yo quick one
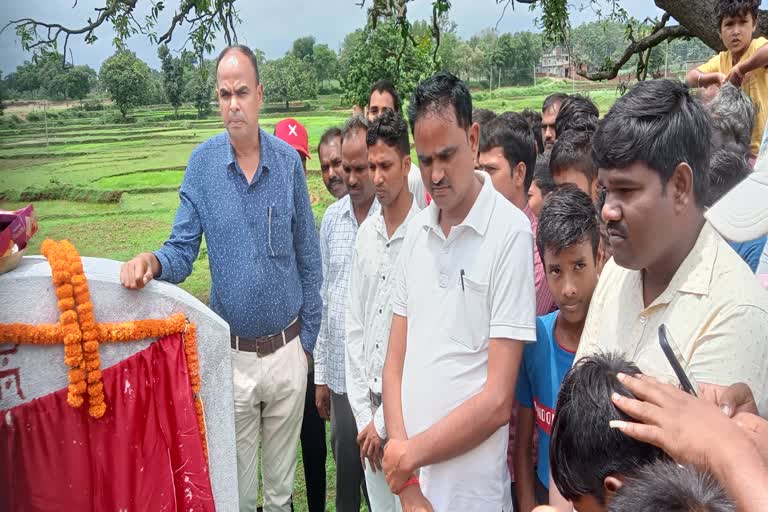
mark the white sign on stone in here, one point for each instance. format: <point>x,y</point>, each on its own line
<point>27,295</point>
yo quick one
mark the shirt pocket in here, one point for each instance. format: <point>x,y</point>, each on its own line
<point>279,233</point>
<point>472,315</point>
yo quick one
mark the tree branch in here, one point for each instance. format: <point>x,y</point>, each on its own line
<point>656,37</point>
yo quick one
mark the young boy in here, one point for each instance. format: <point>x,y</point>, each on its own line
<point>567,240</point>
<point>589,461</point>
<point>743,63</point>
<point>571,161</point>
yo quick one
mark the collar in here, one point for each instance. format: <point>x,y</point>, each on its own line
<point>348,209</point>
<point>381,226</point>
<point>479,215</point>
<point>264,146</point>
<point>695,273</point>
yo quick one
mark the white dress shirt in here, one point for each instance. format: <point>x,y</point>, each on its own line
<point>416,186</point>
<point>337,242</point>
<point>458,292</point>
<point>369,314</point>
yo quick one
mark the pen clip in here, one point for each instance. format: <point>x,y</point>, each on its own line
<point>461,275</point>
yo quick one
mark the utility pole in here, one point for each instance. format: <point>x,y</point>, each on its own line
<point>45,118</point>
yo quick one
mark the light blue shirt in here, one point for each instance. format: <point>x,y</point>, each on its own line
<point>263,249</point>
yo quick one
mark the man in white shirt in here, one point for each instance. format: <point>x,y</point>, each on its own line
<point>382,98</point>
<point>337,242</point>
<point>464,303</point>
<point>369,309</point>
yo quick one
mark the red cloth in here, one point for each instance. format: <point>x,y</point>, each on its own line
<point>145,453</point>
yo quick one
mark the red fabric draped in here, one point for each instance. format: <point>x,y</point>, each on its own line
<point>146,452</point>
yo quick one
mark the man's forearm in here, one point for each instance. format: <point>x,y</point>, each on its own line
<point>743,473</point>
<point>465,428</point>
<point>524,480</point>
<point>392,401</point>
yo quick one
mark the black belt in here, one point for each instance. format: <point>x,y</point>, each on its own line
<point>266,345</point>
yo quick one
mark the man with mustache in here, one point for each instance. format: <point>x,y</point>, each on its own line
<point>464,305</point>
<point>337,242</point>
<point>669,264</point>
<point>369,310</point>
<point>329,153</point>
<point>245,191</point>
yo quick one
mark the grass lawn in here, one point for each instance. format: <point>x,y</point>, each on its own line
<point>112,189</point>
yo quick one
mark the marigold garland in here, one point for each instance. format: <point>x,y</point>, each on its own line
<point>82,335</point>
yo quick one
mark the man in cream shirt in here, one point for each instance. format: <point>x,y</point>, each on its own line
<point>670,266</point>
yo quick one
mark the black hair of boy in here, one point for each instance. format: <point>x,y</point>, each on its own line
<point>438,92</point>
<point>534,119</point>
<point>391,129</point>
<point>567,218</point>
<point>727,168</point>
<point>661,124</point>
<point>482,116</point>
<point>542,175</point>
<point>328,136</point>
<point>584,449</point>
<point>665,486</point>
<point>388,87</point>
<point>576,112</point>
<point>573,149</point>
<point>512,133</point>
<point>733,8</point>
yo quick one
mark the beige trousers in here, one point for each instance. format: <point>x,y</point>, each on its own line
<point>269,402</point>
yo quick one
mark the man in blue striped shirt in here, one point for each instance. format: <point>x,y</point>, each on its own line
<point>245,191</point>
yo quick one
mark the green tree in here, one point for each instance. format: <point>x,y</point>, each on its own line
<point>289,79</point>
<point>325,62</point>
<point>202,91</point>
<point>382,53</point>
<point>74,83</point>
<point>3,94</point>
<point>127,79</point>
<point>303,48</point>
<point>599,43</point>
<point>173,78</point>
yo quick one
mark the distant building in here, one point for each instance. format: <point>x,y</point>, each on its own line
<point>555,63</point>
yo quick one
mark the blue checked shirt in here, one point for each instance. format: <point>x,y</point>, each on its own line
<point>337,244</point>
<point>263,247</point>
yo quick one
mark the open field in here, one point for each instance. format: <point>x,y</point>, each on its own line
<point>111,188</point>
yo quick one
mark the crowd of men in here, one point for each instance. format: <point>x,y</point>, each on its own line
<point>483,331</point>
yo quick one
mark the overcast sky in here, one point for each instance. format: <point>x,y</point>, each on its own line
<point>269,25</point>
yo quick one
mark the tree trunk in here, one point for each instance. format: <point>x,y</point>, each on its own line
<point>698,17</point>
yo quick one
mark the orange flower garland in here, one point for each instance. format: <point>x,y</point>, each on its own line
<point>82,335</point>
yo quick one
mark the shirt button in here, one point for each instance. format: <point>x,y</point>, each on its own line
<point>380,310</point>
<point>383,278</point>
<point>643,319</point>
<point>443,280</point>
<point>377,345</point>
<point>375,379</point>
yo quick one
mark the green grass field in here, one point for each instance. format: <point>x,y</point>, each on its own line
<point>111,188</point>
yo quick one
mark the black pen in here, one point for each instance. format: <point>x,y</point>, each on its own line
<point>461,275</point>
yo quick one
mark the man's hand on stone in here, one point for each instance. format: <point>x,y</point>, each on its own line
<point>136,273</point>
<point>370,447</point>
<point>323,401</point>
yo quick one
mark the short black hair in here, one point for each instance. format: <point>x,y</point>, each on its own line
<point>551,100</point>
<point>542,176</point>
<point>665,486</point>
<point>482,116</point>
<point>245,51</point>
<point>732,8</point>
<point>568,217</point>
<point>391,129</point>
<point>534,119</point>
<point>727,168</point>
<point>328,136</point>
<point>437,93</point>
<point>659,123</point>
<point>388,87</point>
<point>512,133</point>
<point>584,449</point>
<point>576,112</point>
<point>574,149</point>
